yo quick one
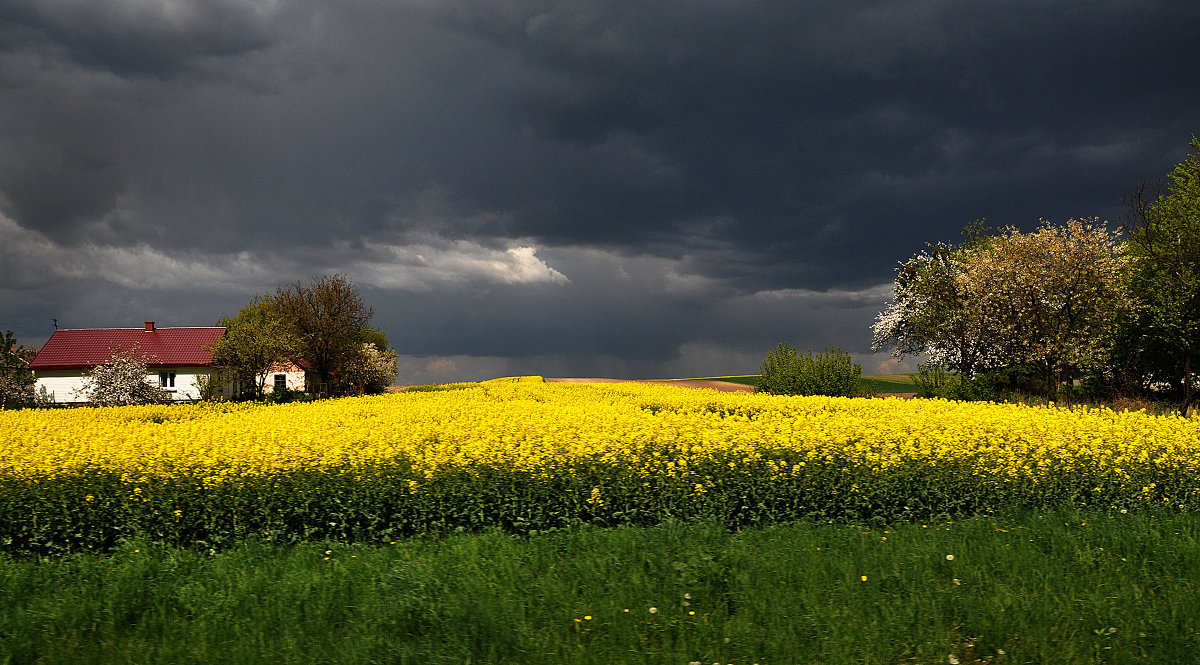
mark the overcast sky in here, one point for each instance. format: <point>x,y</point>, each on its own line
<point>622,189</point>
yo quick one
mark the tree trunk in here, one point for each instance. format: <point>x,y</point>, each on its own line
<point>1187,386</point>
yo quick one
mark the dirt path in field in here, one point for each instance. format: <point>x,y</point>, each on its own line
<point>724,386</point>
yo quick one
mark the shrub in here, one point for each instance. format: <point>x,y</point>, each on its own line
<point>831,372</point>
<point>286,396</point>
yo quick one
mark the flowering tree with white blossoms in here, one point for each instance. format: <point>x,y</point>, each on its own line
<point>934,310</point>
<point>1054,293</point>
<point>121,381</point>
<point>371,371</point>
<point>1045,299</point>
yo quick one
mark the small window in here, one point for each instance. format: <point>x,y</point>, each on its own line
<point>166,379</point>
<point>280,382</point>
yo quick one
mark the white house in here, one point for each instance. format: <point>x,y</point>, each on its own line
<point>174,357</point>
<point>286,374</point>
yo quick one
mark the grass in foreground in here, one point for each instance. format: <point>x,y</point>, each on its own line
<point>1059,587</point>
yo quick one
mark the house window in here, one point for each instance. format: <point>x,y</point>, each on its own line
<point>280,382</point>
<point>166,379</point>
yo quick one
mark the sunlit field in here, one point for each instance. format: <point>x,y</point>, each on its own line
<point>526,456</point>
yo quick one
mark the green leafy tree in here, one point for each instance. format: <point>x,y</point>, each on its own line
<point>831,372</point>
<point>121,381</point>
<point>16,381</point>
<point>375,338</point>
<point>326,319</point>
<point>255,341</point>
<point>1164,285</point>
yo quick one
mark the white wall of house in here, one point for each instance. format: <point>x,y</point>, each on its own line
<point>59,385</point>
<point>185,379</point>
<point>56,385</point>
<point>293,378</point>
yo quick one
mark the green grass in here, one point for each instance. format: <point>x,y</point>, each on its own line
<point>1061,587</point>
<point>891,383</point>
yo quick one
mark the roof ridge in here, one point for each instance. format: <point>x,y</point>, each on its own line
<point>134,328</point>
<point>70,348</point>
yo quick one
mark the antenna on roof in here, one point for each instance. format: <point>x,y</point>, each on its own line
<point>55,323</point>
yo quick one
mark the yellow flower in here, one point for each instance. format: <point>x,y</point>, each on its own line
<point>684,440</point>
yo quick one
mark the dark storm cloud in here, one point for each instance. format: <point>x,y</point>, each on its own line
<point>132,39</point>
<point>812,124</point>
<point>651,185</point>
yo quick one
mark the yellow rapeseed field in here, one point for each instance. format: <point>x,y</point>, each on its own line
<point>656,429</point>
<point>614,447</point>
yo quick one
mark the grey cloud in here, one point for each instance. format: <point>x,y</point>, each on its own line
<point>667,165</point>
<point>140,37</point>
<point>639,308</point>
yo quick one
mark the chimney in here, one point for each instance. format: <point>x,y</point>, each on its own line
<point>149,326</point>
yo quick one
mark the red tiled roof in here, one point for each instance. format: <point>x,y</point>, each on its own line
<point>160,347</point>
